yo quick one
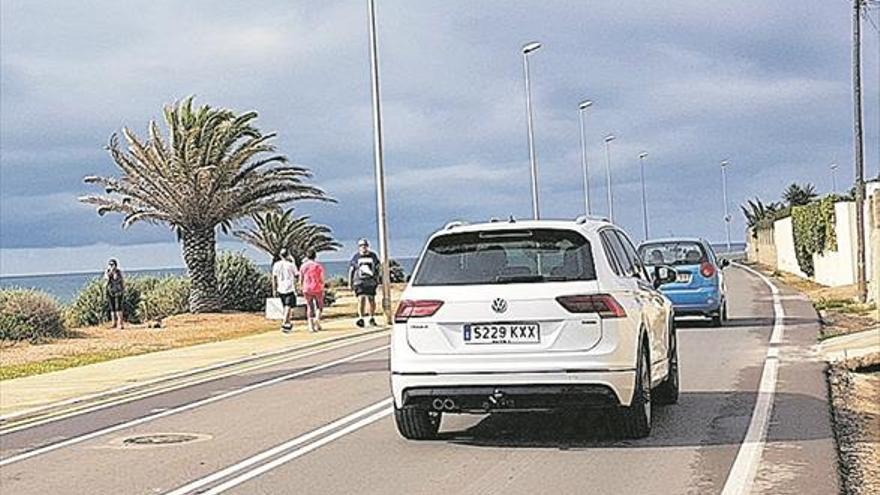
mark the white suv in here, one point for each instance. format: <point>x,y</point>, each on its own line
<point>532,315</point>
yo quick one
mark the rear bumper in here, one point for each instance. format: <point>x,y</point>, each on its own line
<point>696,301</point>
<point>481,392</point>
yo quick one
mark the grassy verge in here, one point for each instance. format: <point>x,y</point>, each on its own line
<point>92,345</point>
<point>60,363</point>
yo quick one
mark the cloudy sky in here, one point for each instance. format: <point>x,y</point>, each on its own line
<point>763,84</point>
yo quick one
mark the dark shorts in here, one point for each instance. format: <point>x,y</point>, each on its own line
<point>115,302</point>
<point>288,300</point>
<point>365,290</point>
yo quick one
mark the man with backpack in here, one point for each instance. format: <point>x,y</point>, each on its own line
<point>363,279</point>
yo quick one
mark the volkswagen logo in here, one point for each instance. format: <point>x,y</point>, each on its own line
<point>499,305</point>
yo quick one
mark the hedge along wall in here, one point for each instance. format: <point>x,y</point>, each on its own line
<point>813,229</point>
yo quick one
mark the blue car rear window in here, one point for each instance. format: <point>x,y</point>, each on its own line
<point>672,253</point>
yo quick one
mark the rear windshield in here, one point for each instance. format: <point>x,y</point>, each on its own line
<point>508,256</point>
<point>672,253</point>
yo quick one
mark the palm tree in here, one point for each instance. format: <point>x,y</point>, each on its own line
<point>215,169</point>
<point>799,195</point>
<point>274,231</point>
<point>757,210</point>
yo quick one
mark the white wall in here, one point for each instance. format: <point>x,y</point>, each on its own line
<point>838,267</point>
<point>783,237</point>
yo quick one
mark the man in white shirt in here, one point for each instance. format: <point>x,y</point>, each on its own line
<point>284,275</point>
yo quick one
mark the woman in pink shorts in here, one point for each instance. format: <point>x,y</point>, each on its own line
<point>311,275</point>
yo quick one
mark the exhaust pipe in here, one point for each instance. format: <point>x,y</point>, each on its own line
<point>437,403</point>
<point>449,404</point>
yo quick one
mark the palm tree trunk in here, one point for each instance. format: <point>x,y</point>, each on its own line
<point>199,253</point>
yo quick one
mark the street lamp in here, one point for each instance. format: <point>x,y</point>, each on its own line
<point>526,49</point>
<point>724,164</point>
<point>608,140</point>
<point>582,108</point>
<point>834,178</point>
<point>380,168</point>
<point>642,157</point>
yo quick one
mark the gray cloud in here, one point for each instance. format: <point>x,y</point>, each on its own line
<point>764,84</point>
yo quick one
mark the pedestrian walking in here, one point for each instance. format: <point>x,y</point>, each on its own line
<point>115,289</point>
<point>311,276</point>
<point>363,279</point>
<point>284,275</point>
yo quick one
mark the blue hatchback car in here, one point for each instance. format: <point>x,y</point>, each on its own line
<point>699,287</point>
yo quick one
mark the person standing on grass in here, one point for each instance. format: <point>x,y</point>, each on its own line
<point>284,276</point>
<point>363,278</point>
<point>311,279</point>
<point>115,293</point>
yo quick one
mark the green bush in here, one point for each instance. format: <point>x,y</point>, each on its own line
<point>27,314</point>
<point>395,272</point>
<point>243,286</point>
<point>329,297</point>
<point>168,296</point>
<point>92,306</point>
<point>813,229</point>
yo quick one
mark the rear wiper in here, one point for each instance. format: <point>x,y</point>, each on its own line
<point>519,278</point>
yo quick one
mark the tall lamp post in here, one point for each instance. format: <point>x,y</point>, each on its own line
<point>833,178</point>
<point>582,109</point>
<point>526,49</point>
<point>608,140</point>
<point>642,157</point>
<point>724,164</point>
<point>380,168</point>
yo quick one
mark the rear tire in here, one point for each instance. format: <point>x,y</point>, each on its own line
<point>635,421</point>
<point>667,392</point>
<point>416,423</point>
<point>719,319</point>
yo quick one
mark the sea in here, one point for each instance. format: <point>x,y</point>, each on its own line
<point>65,286</point>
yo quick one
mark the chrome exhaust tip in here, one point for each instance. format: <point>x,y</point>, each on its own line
<point>449,404</point>
<point>437,403</point>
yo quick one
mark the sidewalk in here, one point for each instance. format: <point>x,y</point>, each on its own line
<point>39,390</point>
<point>854,345</point>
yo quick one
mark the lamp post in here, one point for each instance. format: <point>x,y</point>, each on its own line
<point>380,168</point>
<point>608,140</point>
<point>834,178</point>
<point>582,109</point>
<point>642,157</point>
<point>724,164</point>
<point>526,49</point>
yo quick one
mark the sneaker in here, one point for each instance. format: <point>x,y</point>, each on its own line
<point>373,322</point>
<point>286,328</point>
<point>360,322</point>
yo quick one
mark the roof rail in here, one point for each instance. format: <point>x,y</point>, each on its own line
<point>583,219</point>
<point>454,224</point>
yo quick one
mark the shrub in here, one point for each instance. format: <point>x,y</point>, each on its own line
<point>396,272</point>
<point>329,297</point>
<point>92,307</point>
<point>813,229</point>
<point>243,286</point>
<point>168,296</point>
<point>27,314</point>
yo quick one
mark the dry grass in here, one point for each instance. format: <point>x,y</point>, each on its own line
<point>841,313</point>
<point>99,343</point>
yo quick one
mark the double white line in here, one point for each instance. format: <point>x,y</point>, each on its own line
<point>339,428</point>
<point>186,407</point>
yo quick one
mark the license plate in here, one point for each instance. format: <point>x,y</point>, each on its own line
<point>502,333</point>
<point>683,278</point>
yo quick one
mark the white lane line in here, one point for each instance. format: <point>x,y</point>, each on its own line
<point>186,407</point>
<point>298,453</point>
<point>748,458</point>
<point>250,461</point>
<point>275,357</point>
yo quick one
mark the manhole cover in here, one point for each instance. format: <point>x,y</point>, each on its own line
<point>161,439</point>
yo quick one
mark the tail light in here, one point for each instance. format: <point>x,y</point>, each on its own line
<point>415,309</point>
<point>603,304</point>
<point>706,269</point>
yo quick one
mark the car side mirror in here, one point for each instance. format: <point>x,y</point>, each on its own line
<point>725,263</point>
<point>664,274</point>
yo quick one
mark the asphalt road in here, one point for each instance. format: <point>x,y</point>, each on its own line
<point>322,424</point>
